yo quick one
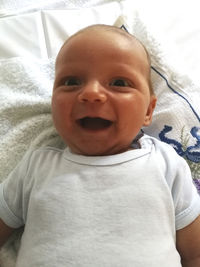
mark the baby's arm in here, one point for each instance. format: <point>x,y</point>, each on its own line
<point>5,232</point>
<point>188,244</point>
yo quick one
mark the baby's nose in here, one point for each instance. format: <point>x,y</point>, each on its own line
<point>93,93</point>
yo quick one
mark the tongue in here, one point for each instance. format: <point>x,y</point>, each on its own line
<point>95,123</point>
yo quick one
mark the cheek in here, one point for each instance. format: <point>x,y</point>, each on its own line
<point>130,106</point>
<point>132,113</point>
<point>60,110</point>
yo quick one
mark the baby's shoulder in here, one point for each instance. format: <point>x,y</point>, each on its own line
<point>47,150</point>
<point>160,147</point>
<point>165,155</point>
<point>42,156</point>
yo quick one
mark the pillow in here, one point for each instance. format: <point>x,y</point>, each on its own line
<point>176,119</point>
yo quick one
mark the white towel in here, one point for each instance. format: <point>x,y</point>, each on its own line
<point>25,95</point>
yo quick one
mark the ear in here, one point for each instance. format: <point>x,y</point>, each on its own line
<point>150,110</point>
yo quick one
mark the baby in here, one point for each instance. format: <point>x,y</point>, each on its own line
<point>114,197</point>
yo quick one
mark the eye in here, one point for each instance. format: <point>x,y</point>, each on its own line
<point>120,82</point>
<point>72,81</point>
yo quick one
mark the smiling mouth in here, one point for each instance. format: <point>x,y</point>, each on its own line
<point>94,124</point>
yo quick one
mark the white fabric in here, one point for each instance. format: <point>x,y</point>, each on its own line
<point>21,6</point>
<point>26,82</point>
<point>100,211</point>
<point>42,33</point>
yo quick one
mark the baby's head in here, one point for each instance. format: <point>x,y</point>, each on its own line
<point>102,94</point>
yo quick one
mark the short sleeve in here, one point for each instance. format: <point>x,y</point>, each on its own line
<point>13,195</point>
<point>185,195</point>
<point>178,176</point>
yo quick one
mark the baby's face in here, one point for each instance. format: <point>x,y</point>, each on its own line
<point>101,95</point>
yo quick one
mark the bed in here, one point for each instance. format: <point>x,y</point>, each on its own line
<point>32,33</point>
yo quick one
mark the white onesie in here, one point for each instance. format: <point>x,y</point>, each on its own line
<point>105,211</point>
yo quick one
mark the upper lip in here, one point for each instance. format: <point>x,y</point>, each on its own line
<point>94,116</point>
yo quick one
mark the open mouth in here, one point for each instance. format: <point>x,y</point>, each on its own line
<point>94,123</point>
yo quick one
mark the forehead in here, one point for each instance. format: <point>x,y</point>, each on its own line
<point>102,41</point>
